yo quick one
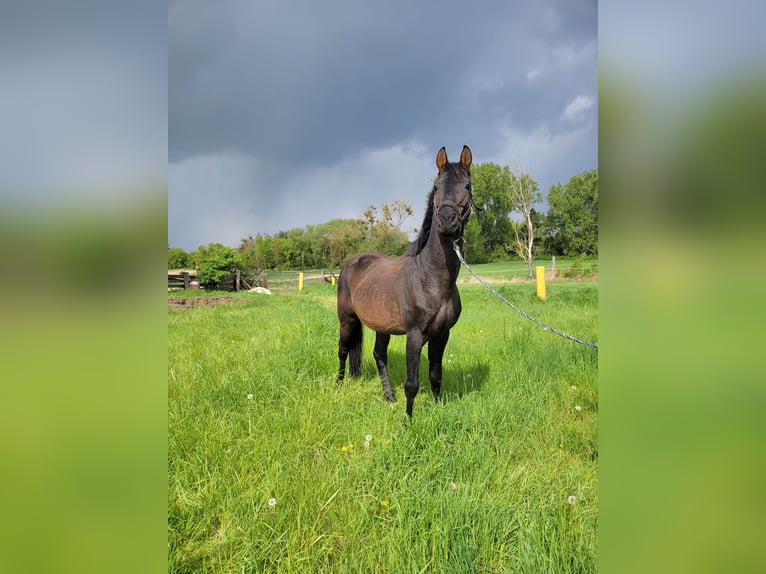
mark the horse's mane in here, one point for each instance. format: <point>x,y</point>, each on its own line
<point>425,229</point>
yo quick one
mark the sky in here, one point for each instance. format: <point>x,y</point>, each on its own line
<point>287,114</point>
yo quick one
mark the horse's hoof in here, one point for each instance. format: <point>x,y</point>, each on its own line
<point>389,397</point>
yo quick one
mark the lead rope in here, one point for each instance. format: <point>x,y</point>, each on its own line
<point>515,308</point>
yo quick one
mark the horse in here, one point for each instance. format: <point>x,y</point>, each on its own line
<point>415,294</point>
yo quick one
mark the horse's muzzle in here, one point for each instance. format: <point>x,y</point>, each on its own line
<point>450,218</point>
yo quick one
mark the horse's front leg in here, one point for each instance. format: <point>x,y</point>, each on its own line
<point>411,385</point>
<point>436,348</point>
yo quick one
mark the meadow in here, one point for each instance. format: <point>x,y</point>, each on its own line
<point>274,468</point>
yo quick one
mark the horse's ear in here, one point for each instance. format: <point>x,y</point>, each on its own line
<point>466,158</point>
<point>441,159</point>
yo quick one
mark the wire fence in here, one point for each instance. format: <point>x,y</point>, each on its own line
<point>288,281</point>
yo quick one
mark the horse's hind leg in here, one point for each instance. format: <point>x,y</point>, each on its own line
<point>381,359</point>
<point>436,348</point>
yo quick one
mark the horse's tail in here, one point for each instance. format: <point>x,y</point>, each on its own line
<point>355,351</point>
<point>351,326</point>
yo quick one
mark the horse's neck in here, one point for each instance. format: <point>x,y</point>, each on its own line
<point>439,259</point>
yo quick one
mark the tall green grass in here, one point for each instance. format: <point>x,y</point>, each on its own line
<point>477,483</point>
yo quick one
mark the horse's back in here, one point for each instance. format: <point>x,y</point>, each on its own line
<point>362,261</point>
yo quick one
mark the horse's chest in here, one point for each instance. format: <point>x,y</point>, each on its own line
<point>443,317</point>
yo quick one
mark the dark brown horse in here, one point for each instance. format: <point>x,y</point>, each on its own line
<point>413,295</point>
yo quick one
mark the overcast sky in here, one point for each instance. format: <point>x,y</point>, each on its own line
<point>283,114</point>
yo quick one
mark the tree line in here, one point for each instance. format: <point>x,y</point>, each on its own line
<point>504,226</point>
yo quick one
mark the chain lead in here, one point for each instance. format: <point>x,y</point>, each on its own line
<point>515,308</point>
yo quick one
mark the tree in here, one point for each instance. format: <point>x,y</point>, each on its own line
<point>383,230</point>
<point>327,244</point>
<point>572,220</point>
<point>177,258</point>
<point>523,195</point>
<point>300,248</point>
<point>489,230</point>
<point>337,239</point>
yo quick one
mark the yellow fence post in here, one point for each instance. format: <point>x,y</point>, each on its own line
<point>300,281</point>
<point>332,279</point>
<point>540,274</point>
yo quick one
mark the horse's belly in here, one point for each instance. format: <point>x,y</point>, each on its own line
<point>382,318</point>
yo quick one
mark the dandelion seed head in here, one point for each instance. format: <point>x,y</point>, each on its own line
<point>366,444</point>
<point>452,485</point>
<point>573,388</point>
<point>572,500</point>
<point>578,408</point>
<point>272,502</point>
<point>250,396</point>
<point>368,437</point>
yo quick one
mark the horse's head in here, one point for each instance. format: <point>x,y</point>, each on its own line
<point>452,195</point>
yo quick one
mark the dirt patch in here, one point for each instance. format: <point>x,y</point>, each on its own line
<point>189,302</point>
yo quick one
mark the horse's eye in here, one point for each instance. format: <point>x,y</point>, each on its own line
<point>468,187</point>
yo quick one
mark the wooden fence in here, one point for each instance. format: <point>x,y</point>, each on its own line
<point>182,279</point>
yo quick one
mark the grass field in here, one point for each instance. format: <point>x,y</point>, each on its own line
<point>273,468</point>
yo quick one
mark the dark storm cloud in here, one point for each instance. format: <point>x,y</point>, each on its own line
<point>318,80</point>
<point>299,86</point>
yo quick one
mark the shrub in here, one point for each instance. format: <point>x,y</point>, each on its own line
<point>216,263</point>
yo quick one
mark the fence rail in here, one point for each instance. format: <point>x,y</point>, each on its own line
<point>182,279</point>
